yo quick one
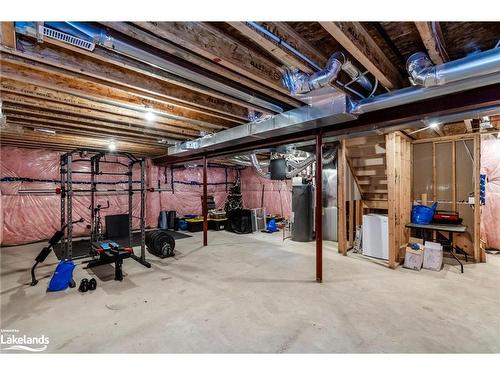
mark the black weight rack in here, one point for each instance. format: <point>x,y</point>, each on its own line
<point>95,159</point>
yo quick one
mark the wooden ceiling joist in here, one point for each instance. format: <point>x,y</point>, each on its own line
<point>39,92</point>
<point>222,49</point>
<point>69,142</point>
<point>270,46</point>
<point>358,42</point>
<point>8,34</point>
<point>437,55</point>
<point>285,32</point>
<point>28,122</point>
<point>189,57</point>
<point>37,115</point>
<point>106,94</point>
<point>116,72</point>
<point>89,113</point>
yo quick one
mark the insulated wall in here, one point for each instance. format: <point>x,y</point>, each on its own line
<point>28,218</point>
<point>490,213</point>
<point>274,195</point>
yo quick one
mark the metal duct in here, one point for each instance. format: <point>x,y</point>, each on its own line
<point>298,82</point>
<point>258,168</point>
<point>101,37</point>
<point>333,111</point>
<point>424,73</point>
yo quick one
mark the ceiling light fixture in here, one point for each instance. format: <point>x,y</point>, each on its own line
<point>112,146</point>
<point>149,116</point>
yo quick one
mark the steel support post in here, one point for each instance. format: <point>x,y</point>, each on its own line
<point>319,208</point>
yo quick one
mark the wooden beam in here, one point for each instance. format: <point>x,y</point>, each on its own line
<point>37,116</point>
<point>378,205</point>
<point>270,46</point>
<point>125,118</point>
<point>39,140</point>
<point>341,198</point>
<point>69,84</point>
<point>468,125</point>
<point>66,128</point>
<point>211,43</point>
<point>443,139</point>
<point>431,43</point>
<point>8,34</point>
<point>288,34</point>
<point>356,40</point>
<point>129,73</point>
<point>192,58</point>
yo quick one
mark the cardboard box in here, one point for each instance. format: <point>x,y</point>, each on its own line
<point>414,258</point>
<point>433,256</point>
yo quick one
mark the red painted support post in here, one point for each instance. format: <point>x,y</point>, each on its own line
<point>319,208</point>
<point>205,204</point>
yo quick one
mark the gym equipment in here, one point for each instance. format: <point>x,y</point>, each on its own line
<point>110,252</point>
<point>96,233</point>
<point>106,251</point>
<point>92,284</point>
<point>160,244</point>
<point>47,249</point>
<point>62,277</point>
<point>84,285</point>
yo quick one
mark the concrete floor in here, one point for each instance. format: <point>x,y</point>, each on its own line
<point>252,293</point>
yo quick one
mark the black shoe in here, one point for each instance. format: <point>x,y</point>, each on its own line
<point>92,284</point>
<point>84,286</point>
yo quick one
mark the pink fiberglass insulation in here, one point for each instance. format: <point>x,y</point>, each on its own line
<point>186,197</point>
<point>35,217</point>
<point>28,218</point>
<point>275,196</point>
<point>490,213</point>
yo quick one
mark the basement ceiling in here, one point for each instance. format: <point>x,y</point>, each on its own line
<point>59,96</point>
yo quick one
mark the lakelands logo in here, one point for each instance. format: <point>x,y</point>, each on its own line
<point>12,340</point>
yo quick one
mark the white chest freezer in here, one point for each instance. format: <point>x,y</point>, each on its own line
<point>375,240</point>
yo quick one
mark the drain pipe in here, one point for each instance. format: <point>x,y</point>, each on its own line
<point>100,37</point>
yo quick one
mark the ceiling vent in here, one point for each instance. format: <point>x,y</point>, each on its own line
<point>66,38</point>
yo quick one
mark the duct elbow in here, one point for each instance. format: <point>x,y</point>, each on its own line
<point>422,71</point>
<point>298,82</point>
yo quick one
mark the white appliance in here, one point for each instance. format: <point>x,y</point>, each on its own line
<point>375,240</point>
<point>258,219</point>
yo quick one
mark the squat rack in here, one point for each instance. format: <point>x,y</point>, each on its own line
<point>95,158</point>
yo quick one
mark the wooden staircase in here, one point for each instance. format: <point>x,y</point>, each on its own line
<point>366,157</point>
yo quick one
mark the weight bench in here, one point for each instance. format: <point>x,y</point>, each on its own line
<point>110,252</point>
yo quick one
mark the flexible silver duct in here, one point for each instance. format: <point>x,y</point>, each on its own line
<point>424,73</point>
<point>298,167</point>
<point>258,168</point>
<point>298,82</point>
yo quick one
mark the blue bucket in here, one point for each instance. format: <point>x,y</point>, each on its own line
<point>421,214</point>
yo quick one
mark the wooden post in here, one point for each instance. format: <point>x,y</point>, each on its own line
<point>390,145</point>
<point>319,207</point>
<point>478,256</point>
<point>341,186</point>
<point>205,204</point>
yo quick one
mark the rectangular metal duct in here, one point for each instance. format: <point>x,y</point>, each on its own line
<point>328,112</point>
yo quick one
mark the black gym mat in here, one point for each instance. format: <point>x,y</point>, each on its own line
<point>81,247</point>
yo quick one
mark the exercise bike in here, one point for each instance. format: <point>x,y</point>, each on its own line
<point>96,232</point>
<point>47,249</point>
